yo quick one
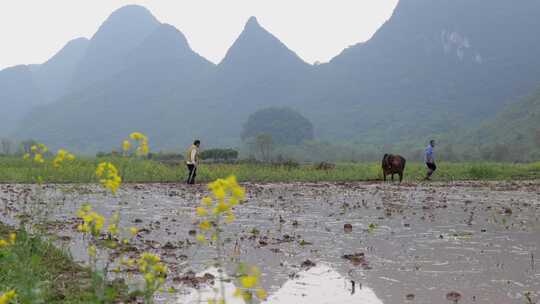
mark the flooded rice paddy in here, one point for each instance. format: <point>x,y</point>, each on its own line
<point>317,243</point>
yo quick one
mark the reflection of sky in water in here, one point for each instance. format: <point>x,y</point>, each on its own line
<point>318,285</point>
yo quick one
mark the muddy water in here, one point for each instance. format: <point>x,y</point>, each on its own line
<point>479,239</point>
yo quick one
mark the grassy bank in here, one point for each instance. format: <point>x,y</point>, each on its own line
<point>41,273</point>
<point>15,170</point>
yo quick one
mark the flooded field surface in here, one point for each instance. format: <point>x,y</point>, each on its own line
<point>475,242</point>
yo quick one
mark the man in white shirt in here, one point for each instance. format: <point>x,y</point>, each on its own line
<point>192,161</point>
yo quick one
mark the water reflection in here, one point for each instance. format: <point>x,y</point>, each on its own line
<point>211,292</point>
<point>320,284</point>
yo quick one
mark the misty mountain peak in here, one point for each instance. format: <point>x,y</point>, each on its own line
<point>126,20</point>
<point>117,37</point>
<point>131,12</point>
<point>257,47</point>
<point>252,23</point>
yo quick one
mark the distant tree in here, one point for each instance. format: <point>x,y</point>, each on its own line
<point>220,154</point>
<point>486,153</point>
<point>6,146</point>
<point>448,153</point>
<point>284,125</point>
<point>264,145</point>
<point>500,152</point>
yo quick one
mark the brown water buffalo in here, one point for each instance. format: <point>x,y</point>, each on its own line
<point>393,164</point>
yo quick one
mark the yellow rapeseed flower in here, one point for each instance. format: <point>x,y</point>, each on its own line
<point>36,153</point>
<point>8,296</point>
<point>92,221</point>
<point>226,193</point>
<point>108,176</point>
<point>153,270</point>
<point>248,281</point>
<point>61,156</point>
<point>99,220</point>
<point>142,140</point>
<point>113,229</point>
<point>207,201</point>
<point>222,207</point>
<point>83,228</point>
<point>247,296</point>
<point>38,158</point>
<point>205,225</point>
<point>230,217</point>
<point>201,211</point>
<point>143,149</point>
<point>136,136</point>
<point>160,268</point>
<point>219,193</point>
<point>149,277</point>
<point>234,201</point>
<point>43,148</point>
<point>261,294</point>
<point>149,257</point>
<point>126,145</point>
<point>92,251</point>
<point>12,238</point>
<point>128,262</point>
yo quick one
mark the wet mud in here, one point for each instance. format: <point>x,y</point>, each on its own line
<point>388,243</point>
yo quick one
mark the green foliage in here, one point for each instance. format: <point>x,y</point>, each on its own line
<point>264,144</point>
<point>41,273</point>
<point>136,170</point>
<point>284,125</point>
<point>482,171</point>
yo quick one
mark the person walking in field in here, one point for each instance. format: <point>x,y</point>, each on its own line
<point>429,158</point>
<point>192,161</point>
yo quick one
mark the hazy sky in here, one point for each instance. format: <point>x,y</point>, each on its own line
<point>31,31</point>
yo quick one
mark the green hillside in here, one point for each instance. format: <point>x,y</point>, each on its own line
<point>513,135</point>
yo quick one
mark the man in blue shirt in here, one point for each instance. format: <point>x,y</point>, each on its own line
<point>429,158</point>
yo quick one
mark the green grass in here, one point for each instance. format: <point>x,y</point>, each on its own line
<point>14,170</point>
<point>42,273</point>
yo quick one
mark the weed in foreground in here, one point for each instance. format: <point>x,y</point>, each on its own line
<point>215,212</point>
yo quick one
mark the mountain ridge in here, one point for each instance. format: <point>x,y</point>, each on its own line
<point>430,69</point>
<point>123,31</point>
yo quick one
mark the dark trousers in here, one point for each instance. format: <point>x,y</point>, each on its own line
<point>192,169</point>
<point>431,168</point>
